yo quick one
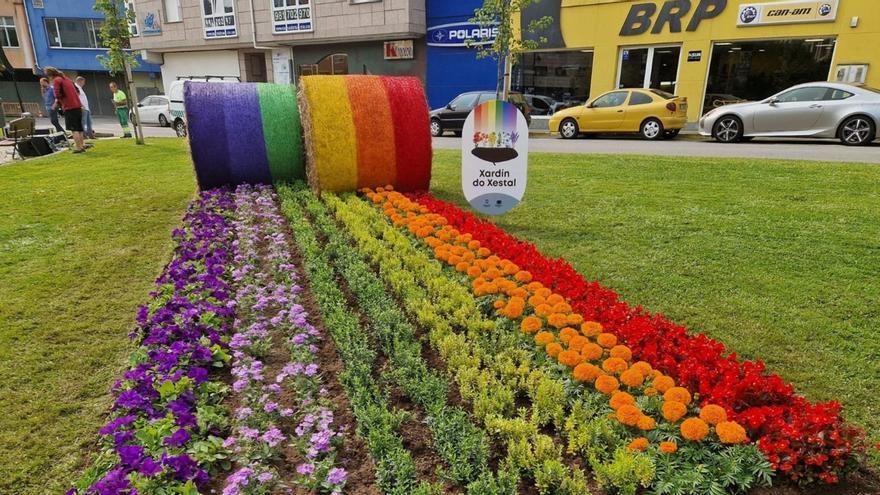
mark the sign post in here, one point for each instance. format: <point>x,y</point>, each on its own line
<point>494,161</point>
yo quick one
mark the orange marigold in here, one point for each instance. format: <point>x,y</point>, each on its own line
<point>530,324</point>
<point>553,349</point>
<point>668,447</point>
<point>586,372</point>
<point>556,320</point>
<point>544,338</point>
<point>663,383</point>
<point>462,266</point>
<point>544,292</point>
<point>677,394</point>
<point>562,307</point>
<point>578,342</point>
<point>567,333</point>
<point>575,319</point>
<point>536,301</point>
<point>569,358</point>
<point>473,244</point>
<point>534,286</point>
<point>628,414</point>
<point>499,303</point>
<point>650,391</point>
<point>483,252</point>
<point>713,414</point>
<point>606,384</point>
<point>694,429</point>
<point>622,352</point>
<point>640,444</point>
<point>620,399</point>
<point>614,365</point>
<point>555,299</point>
<point>731,432</point>
<point>474,271</point>
<point>673,411</point>
<point>543,310</point>
<point>591,351</point>
<point>518,292</point>
<point>632,378</point>
<point>591,328</point>
<point>643,367</point>
<point>607,340</point>
<point>492,274</point>
<point>646,423</point>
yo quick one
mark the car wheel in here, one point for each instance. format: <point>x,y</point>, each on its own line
<point>672,133</point>
<point>180,128</point>
<point>163,122</point>
<point>857,131</point>
<point>652,129</point>
<point>728,129</point>
<point>568,129</point>
<point>436,128</point>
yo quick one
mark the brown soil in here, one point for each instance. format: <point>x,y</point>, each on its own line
<point>859,483</point>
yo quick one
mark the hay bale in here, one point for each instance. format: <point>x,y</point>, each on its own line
<point>330,135</point>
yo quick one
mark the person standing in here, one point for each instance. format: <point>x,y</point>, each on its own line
<point>120,101</point>
<point>49,102</point>
<point>87,111</point>
<point>67,97</point>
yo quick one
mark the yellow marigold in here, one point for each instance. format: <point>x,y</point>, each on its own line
<point>556,320</point>
<point>632,378</point>
<point>606,384</point>
<point>650,391</point>
<point>619,398</point>
<point>530,324</point>
<point>544,338</point>
<point>555,299</point>
<point>591,351</point>
<point>713,414</point>
<point>677,394</point>
<point>663,383</point>
<point>569,358</point>
<point>628,414</point>
<point>646,423</point>
<point>622,352</point>
<point>499,303</point>
<point>536,301</point>
<point>643,367</point>
<point>614,365</point>
<point>578,342</point>
<point>694,429</point>
<point>668,447</point>
<point>553,349</point>
<point>543,310</point>
<point>673,411</point>
<point>574,319</point>
<point>731,432</point>
<point>591,328</point>
<point>566,334</point>
<point>640,444</point>
<point>607,340</point>
<point>586,372</point>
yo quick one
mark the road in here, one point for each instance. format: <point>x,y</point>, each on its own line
<point>694,145</point>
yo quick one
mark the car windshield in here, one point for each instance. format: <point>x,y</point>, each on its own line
<point>663,94</point>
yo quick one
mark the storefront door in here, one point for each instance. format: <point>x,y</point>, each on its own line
<point>649,67</point>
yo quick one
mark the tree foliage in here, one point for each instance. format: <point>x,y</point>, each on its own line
<point>115,35</point>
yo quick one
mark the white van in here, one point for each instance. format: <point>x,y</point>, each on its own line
<point>175,97</point>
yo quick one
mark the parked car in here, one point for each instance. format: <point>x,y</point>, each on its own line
<point>541,105</point>
<point>175,97</point>
<point>452,116</point>
<point>815,110</point>
<point>653,113</point>
<point>155,110</point>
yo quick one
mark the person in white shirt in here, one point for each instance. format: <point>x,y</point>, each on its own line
<point>86,111</point>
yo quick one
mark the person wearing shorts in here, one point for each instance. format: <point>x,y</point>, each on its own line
<point>67,98</point>
<point>120,101</point>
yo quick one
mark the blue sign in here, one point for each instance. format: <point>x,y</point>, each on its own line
<point>151,24</point>
<point>461,34</point>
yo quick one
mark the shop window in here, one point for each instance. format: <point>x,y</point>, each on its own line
<point>292,16</point>
<point>753,71</point>
<point>8,36</point>
<point>218,18</point>
<point>74,33</point>
<point>652,67</point>
<point>562,78</point>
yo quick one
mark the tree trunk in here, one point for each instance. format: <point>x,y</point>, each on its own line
<point>132,100</point>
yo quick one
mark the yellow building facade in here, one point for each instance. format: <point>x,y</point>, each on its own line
<point>711,51</point>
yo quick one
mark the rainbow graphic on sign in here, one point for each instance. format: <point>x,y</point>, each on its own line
<point>495,133</point>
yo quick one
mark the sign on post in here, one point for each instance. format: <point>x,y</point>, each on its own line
<point>494,161</point>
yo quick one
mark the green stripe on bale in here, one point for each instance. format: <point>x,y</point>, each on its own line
<point>282,131</point>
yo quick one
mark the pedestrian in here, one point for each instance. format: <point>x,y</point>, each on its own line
<point>49,102</point>
<point>67,98</point>
<point>87,111</point>
<point>120,101</point>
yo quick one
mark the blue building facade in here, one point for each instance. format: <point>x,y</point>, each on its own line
<point>454,68</point>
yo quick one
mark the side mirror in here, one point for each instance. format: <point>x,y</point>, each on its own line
<point>773,101</point>
<point>449,106</point>
<point>140,104</point>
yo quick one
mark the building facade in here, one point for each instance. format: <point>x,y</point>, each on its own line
<point>711,51</point>
<point>278,40</point>
<point>16,43</point>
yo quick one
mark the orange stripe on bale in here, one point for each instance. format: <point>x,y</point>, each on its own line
<point>371,111</point>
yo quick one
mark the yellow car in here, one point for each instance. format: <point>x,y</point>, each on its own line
<point>653,113</point>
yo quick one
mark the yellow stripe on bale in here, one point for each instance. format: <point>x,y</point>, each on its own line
<point>328,126</point>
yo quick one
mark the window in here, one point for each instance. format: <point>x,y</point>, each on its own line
<point>219,18</point>
<point>292,16</point>
<point>132,21</point>
<point>640,99</point>
<point>838,94</point>
<point>172,11</point>
<point>74,33</point>
<point>464,102</point>
<point>614,99</point>
<point>803,94</point>
<point>484,97</point>
<point>8,36</point>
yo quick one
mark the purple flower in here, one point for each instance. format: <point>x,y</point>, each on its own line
<point>311,370</point>
<point>178,438</point>
<point>305,469</point>
<point>130,455</point>
<point>150,467</point>
<point>265,477</point>
<point>336,476</point>
<point>273,437</point>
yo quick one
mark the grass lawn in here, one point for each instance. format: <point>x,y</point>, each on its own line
<point>780,260</point>
<point>82,237</point>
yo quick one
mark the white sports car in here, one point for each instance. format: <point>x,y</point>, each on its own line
<point>814,110</point>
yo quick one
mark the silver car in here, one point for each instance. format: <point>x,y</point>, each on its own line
<point>817,110</point>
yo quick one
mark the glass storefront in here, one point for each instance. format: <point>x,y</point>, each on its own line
<point>754,70</point>
<point>651,67</point>
<point>563,76</point>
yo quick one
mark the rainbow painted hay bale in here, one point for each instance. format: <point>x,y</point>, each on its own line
<point>243,133</point>
<point>365,131</point>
